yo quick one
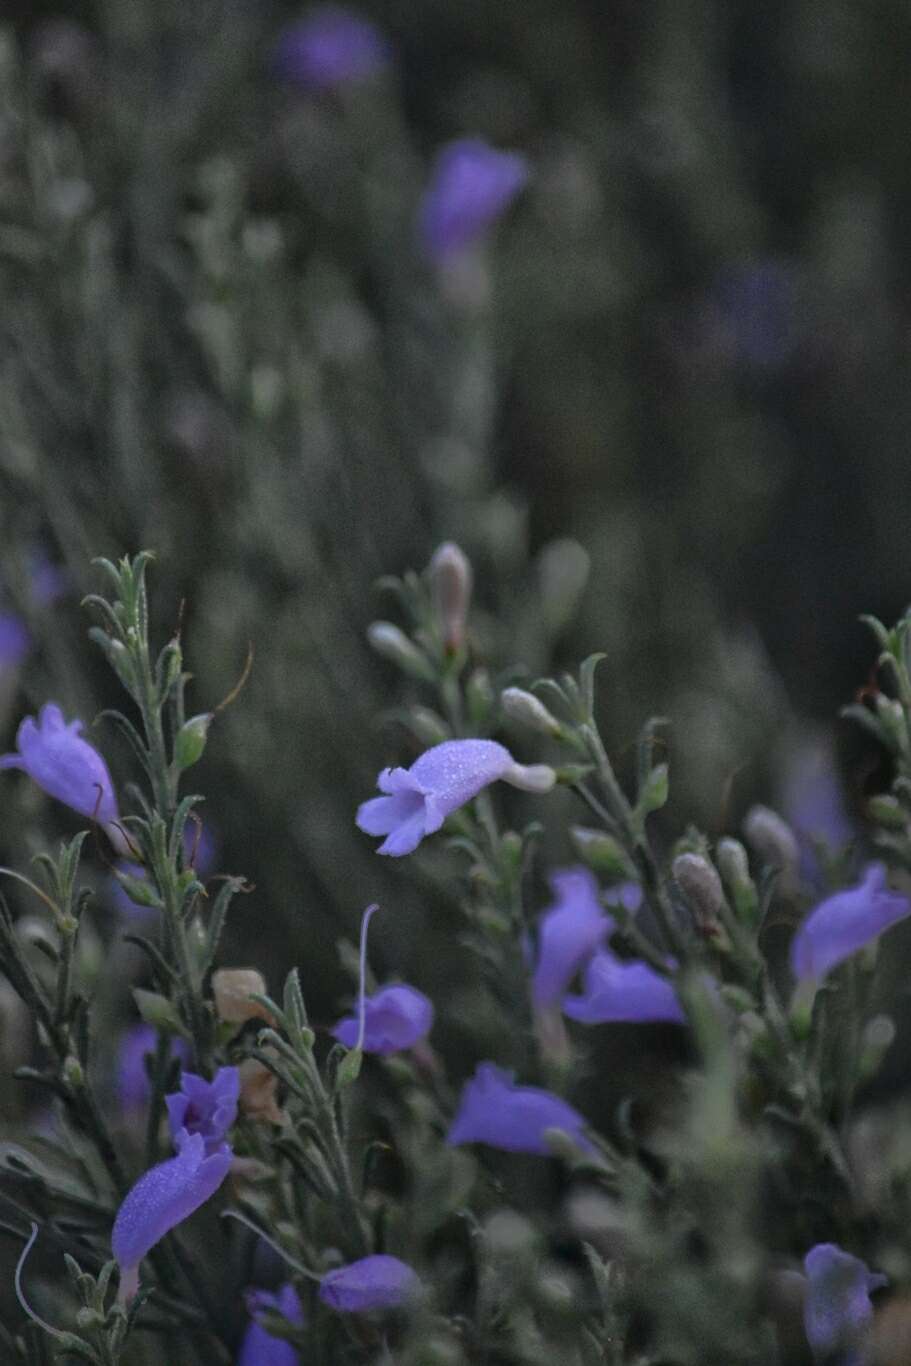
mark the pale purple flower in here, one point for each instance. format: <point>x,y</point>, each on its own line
<point>625,894</point>
<point>756,302</point>
<point>471,186</point>
<point>15,641</point>
<point>54,755</point>
<point>568,934</point>
<point>259,1347</point>
<point>418,799</point>
<point>161,1199</point>
<point>375,1282</point>
<point>618,992</point>
<point>846,922</point>
<point>395,1018</point>
<point>207,1108</point>
<point>332,47</point>
<point>133,1086</point>
<point>48,581</point>
<point>495,1111</point>
<point>813,803</point>
<point>837,1307</point>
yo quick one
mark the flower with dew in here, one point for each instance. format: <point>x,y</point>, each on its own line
<point>133,1086</point>
<point>618,992</point>
<point>472,184</point>
<point>161,1199</point>
<point>395,1018</point>
<point>846,922</point>
<point>259,1347</point>
<point>206,1108</point>
<point>837,1307</point>
<point>15,641</point>
<point>495,1111</point>
<point>570,931</point>
<point>375,1282</point>
<point>418,799</point>
<point>332,47</point>
<point>55,756</point>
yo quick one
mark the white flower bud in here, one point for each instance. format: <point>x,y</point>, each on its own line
<point>451,580</point>
<point>391,642</point>
<point>701,885</point>
<point>531,777</point>
<point>527,710</point>
<point>774,841</point>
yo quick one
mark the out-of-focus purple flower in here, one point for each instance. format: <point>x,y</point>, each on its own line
<point>617,992</point>
<point>471,186</point>
<point>65,766</point>
<point>837,1308</point>
<point>207,1108</point>
<point>375,1282</point>
<point>756,303</point>
<point>625,894</point>
<point>813,803</point>
<point>133,1086</point>
<point>48,581</point>
<point>395,1018</point>
<point>15,641</point>
<point>444,778</point>
<point>200,847</point>
<point>259,1347</point>
<point>332,47</point>
<point>161,1199</point>
<point>568,934</point>
<point>495,1111</point>
<point>845,923</point>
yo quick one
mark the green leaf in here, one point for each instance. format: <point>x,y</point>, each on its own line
<point>587,681</point>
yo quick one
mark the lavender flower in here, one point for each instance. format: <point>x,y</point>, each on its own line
<point>444,778</point>
<point>376,1282</point>
<point>259,1347</point>
<point>569,932</point>
<point>161,1199</point>
<point>495,1111</point>
<point>207,1108</point>
<point>332,47</point>
<point>133,1086</point>
<point>395,1018</point>
<point>845,923</point>
<point>625,894</point>
<point>15,641</point>
<point>65,766</point>
<point>471,185</point>
<point>618,992</point>
<point>837,1308</point>
<point>813,803</point>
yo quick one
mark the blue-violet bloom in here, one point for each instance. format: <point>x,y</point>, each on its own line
<point>568,934</point>
<point>15,641</point>
<point>846,922</point>
<point>133,1086</point>
<point>495,1111</point>
<point>332,47</point>
<point>161,1199</point>
<point>418,799</point>
<point>375,1282</point>
<point>395,1018</point>
<point>207,1108</point>
<point>837,1308</point>
<point>54,755</point>
<point>471,186</point>
<point>618,992</point>
<point>259,1347</point>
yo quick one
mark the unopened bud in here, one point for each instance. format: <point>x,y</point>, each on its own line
<point>391,642</point>
<point>531,777</point>
<point>653,793</point>
<point>888,811</point>
<point>602,853</point>
<point>701,885</point>
<point>257,1092</point>
<point>428,727</point>
<point>450,586</point>
<point>73,1073</point>
<point>528,710</point>
<point>191,740</point>
<point>233,989</point>
<point>774,841</point>
<point>479,698</point>
<point>563,569</point>
<point>876,1040</point>
<point>734,865</point>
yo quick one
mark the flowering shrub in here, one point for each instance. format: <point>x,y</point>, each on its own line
<point>353,1196</point>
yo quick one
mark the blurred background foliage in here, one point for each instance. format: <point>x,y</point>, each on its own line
<point>686,349</point>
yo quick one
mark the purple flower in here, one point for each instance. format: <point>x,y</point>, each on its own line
<point>259,1347</point>
<point>376,1282</point>
<point>471,185</point>
<point>331,47</point>
<point>625,894</point>
<point>845,923</point>
<point>757,305</point>
<point>48,581</point>
<point>65,766</point>
<point>444,778</point>
<point>207,1108</point>
<point>837,1309</point>
<point>569,932</point>
<point>15,641</point>
<point>495,1111</point>
<point>617,992</point>
<point>133,1086</point>
<point>813,803</point>
<point>162,1199</point>
<point>395,1018</point>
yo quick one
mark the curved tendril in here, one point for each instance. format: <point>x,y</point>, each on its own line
<point>362,996</point>
<point>48,1328</point>
<point>32,886</point>
<point>276,1247</point>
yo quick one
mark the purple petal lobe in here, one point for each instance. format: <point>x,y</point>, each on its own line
<point>376,1282</point>
<point>837,1308</point>
<point>133,1087</point>
<point>493,1110</point>
<point>331,47</point>
<point>471,186</point>
<point>259,1347</point>
<point>569,932</point>
<point>394,1019</point>
<point>617,992</point>
<point>845,923</point>
<point>204,1108</point>
<point>15,641</point>
<point>65,766</point>
<point>164,1197</point>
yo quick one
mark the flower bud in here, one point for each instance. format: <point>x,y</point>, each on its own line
<point>190,741</point>
<point>257,1092</point>
<point>479,698</point>
<point>887,811</point>
<point>428,726</point>
<point>450,586</point>
<point>563,570</point>
<point>531,777</point>
<point>701,885</point>
<point>876,1040</point>
<point>602,853</point>
<point>734,864</point>
<point>391,642</point>
<point>526,709</point>
<point>233,988</point>
<point>774,841</point>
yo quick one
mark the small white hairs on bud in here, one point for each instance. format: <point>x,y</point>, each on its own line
<point>527,710</point>
<point>775,842</point>
<point>451,580</point>
<point>699,881</point>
